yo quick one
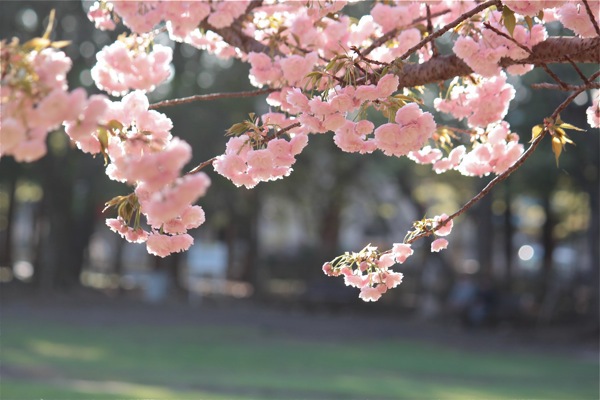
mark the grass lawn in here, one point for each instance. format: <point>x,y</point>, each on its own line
<point>44,359</point>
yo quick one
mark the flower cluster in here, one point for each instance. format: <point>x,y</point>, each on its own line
<point>182,17</point>
<point>481,101</point>
<point>573,15</point>
<point>132,62</point>
<point>482,52</point>
<point>246,165</point>
<point>144,154</point>
<point>493,152</point>
<point>411,131</point>
<point>36,100</point>
<point>369,270</point>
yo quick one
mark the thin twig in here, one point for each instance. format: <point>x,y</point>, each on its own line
<point>551,86</point>
<point>282,131</point>
<point>207,97</point>
<point>200,166</point>
<point>389,35</point>
<point>591,15</point>
<point>578,70</point>
<point>525,48</point>
<point>569,99</point>
<point>434,48</point>
<point>446,28</point>
<point>507,37</point>
<point>505,174</point>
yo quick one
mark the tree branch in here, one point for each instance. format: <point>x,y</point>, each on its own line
<point>592,18</point>
<point>551,50</point>
<point>211,96</point>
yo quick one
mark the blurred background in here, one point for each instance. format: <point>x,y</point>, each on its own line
<point>509,310</point>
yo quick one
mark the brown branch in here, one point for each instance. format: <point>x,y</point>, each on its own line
<point>283,130</point>
<point>569,99</point>
<point>446,28</point>
<point>551,50</point>
<point>591,16</point>
<point>234,36</point>
<point>208,97</point>
<point>525,48</point>
<point>505,174</point>
<point>200,166</point>
<point>486,189</point>
<point>551,86</point>
<point>434,48</point>
<point>578,70</point>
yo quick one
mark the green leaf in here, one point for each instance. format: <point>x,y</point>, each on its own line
<point>237,129</point>
<point>508,16</point>
<point>529,21</point>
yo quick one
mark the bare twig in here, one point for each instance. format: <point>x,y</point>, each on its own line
<point>523,47</point>
<point>578,70</point>
<point>551,86</point>
<point>591,15</point>
<point>446,28</point>
<point>507,37</point>
<point>434,48</point>
<point>200,166</point>
<point>283,130</point>
<point>505,174</point>
<point>208,97</point>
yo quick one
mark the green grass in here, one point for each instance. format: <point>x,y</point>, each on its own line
<point>58,361</point>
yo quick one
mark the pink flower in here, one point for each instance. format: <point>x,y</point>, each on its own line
<point>386,260</point>
<point>387,85</point>
<point>410,132</point>
<point>390,17</point>
<point>574,16</point>
<point>356,280</point>
<point>327,269</point>
<point>163,245</point>
<point>260,164</point>
<point>439,244</point>
<point>12,133</point>
<point>295,67</point>
<point>159,245</point>
<point>263,69</point>
<point>447,228</point>
<point>392,279</point>
<point>29,150</point>
<point>368,293</point>
<point>401,252</point>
